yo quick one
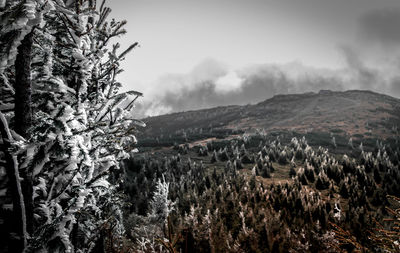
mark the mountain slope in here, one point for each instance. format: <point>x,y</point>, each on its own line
<point>352,113</point>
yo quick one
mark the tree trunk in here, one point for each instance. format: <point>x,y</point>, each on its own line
<point>23,91</point>
<point>14,185</point>
<point>23,116</point>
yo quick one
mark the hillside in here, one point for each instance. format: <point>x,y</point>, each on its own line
<point>269,193</point>
<point>355,113</point>
<point>309,172</point>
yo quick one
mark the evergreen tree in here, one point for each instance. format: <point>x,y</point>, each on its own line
<point>292,172</point>
<point>71,126</point>
<point>214,157</point>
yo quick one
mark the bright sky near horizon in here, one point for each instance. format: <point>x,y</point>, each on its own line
<point>177,35</point>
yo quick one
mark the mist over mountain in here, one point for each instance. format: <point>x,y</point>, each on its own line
<point>212,84</point>
<point>370,62</point>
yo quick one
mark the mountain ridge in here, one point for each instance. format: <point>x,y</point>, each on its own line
<point>351,112</point>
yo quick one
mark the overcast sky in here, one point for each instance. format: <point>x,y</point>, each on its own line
<point>202,53</point>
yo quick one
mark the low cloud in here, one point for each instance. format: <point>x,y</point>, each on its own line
<point>362,76</point>
<point>394,88</point>
<point>210,88</point>
<point>237,87</point>
<point>230,81</point>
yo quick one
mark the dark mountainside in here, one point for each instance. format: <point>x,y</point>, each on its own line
<point>353,113</point>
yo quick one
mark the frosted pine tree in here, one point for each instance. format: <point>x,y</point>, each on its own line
<point>58,161</point>
<point>160,205</point>
<point>149,230</point>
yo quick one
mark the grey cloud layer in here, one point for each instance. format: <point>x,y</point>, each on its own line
<point>200,88</point>
<point>264,81</point>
